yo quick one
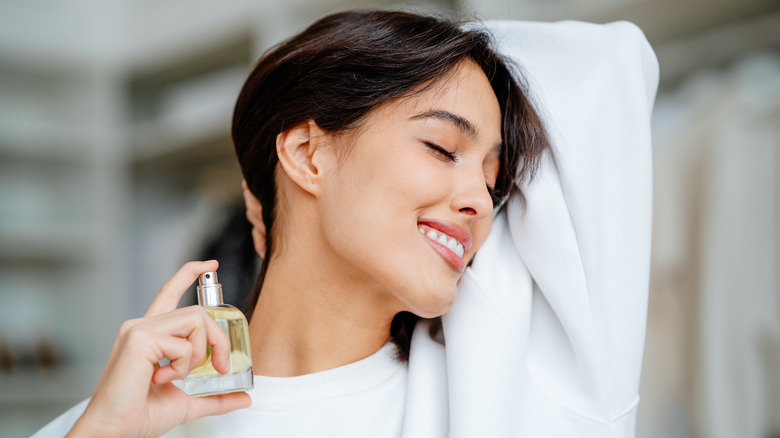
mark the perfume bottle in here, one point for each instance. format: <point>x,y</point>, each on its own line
<point>204,379</point>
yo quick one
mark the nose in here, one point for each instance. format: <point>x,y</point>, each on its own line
<point>471,196</point>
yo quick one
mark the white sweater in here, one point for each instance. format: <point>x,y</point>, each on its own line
<point>545,338</point>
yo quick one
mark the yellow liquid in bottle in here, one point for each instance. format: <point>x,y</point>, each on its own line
<point>204,379</point>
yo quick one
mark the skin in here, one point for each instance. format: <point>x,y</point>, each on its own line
<point>348,260</point>
<point>352,255</point>
<point>134,397</point>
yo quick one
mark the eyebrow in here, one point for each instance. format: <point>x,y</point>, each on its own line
<point>463,125</point>
<point>459,122</point>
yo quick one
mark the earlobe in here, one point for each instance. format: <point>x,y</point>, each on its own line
<point>299,149</point>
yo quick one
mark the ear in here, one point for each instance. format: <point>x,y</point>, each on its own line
<point>303,155</point>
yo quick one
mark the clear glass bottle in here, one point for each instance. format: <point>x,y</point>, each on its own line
<point>204,379</point>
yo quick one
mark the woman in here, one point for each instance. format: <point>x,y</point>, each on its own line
<point>381,145</point>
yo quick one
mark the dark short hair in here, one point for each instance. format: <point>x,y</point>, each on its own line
<point>346,64</point>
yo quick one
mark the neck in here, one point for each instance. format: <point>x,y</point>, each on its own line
<point>313,319</point>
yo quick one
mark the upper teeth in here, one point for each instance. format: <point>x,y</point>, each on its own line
<point>444,239</point>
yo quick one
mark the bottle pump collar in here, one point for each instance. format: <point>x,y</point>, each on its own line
<point>209,290</point>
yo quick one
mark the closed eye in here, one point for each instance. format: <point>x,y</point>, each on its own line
<point>440,152</point>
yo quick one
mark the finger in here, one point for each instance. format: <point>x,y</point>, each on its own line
<point>171,293</point>
<point>179,352</point>
<point>199,329</point>
<point>194,325</point>
<point>197,336</point>
<point>220,346</point>
<point>217,404</point>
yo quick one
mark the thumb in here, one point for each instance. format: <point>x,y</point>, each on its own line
<point>217,404</point>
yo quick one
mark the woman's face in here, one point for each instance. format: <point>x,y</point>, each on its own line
<point>409,205</point>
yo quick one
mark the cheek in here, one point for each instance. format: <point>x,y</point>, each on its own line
<point>362,208</point>
<point>397,184</point>
<point>481,231</point>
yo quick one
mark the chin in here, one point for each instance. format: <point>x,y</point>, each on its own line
<point>433,303</point>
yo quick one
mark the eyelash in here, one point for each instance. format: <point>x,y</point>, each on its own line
<point>443,153</point>
<point>495,194</point>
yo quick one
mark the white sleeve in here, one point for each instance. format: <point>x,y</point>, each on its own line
<point>554,307</point>
<point>60,426</point>
<point>584,231</point>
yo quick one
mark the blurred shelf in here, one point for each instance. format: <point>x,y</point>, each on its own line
<point>718,47</point>
<point>184,89</point>
<point>211,147</point>
<point>38,387</point>
<point>173,47</point>
<point>45,246</point>
<point>21,58</point>
<point>163,67</point>
<point>55,116</point>
<point>182,113</point>
<point>44,141</point>
<point>159,139</point>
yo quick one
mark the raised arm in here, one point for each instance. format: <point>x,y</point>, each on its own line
<point>554,307</point>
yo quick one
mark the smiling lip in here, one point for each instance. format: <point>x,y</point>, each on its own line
<point>454,231</point>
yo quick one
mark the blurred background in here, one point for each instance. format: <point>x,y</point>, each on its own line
<point>116,167</point>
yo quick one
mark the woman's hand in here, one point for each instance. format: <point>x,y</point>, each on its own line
<point>135,396</point>
<point>254,214</point>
